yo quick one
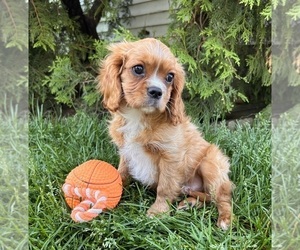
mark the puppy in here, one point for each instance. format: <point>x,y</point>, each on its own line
<point>141,84</point>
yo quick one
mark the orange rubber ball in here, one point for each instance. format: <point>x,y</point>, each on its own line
<point>91,188</point>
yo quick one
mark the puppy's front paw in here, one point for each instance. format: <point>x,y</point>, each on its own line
<point>151,213</point>
<point>224,221</point>
<point>156,209</point>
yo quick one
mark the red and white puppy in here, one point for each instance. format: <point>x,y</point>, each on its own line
<point>141,83</point>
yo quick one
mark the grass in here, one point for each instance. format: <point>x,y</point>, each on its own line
<point>13,180</point>
<point>286,181</point>
<point>57,145</point>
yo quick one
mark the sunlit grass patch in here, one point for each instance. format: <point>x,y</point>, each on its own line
<point>58,145</point>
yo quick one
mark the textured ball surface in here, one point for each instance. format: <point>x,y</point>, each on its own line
<point>95,175</point>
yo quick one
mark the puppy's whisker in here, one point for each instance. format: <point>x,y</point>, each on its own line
<point>168,110</point>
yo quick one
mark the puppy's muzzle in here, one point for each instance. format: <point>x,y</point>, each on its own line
<point>154,92</point>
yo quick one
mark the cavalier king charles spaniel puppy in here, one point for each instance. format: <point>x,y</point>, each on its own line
<point>141,84</point>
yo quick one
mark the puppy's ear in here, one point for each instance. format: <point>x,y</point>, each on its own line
<point>176,105</point>
<point>109,77</point>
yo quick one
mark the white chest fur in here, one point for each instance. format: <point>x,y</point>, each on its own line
<point>141,166</point>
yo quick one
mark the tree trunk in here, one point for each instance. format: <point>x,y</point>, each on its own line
<point>87,22</point>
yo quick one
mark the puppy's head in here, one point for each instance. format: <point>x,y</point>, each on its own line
<point>143,75</point>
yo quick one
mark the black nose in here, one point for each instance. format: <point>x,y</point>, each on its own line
<point>154,92</point>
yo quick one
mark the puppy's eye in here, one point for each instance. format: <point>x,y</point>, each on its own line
<point>169,78</point>
<point>138,70</point>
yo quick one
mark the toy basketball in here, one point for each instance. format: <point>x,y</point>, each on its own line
<point>91,188</point>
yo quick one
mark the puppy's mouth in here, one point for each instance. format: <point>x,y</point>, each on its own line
<point>152,105</point>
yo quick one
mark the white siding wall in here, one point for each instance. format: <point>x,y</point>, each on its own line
<point>150,15</point>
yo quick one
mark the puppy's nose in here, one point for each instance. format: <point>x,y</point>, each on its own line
<point>154,92</point>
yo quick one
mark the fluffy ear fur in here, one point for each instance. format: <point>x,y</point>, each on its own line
<point>176,105</point>
<point>109,78</point>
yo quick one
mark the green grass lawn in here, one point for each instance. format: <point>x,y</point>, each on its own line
<point>286,181</point>
<point>13,181</point>
<point>57,145</point>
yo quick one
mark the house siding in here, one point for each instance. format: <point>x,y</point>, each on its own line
<point>146,15</point>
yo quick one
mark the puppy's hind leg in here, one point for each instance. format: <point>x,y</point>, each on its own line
<point>214,170</point>
<point>195,199</point>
